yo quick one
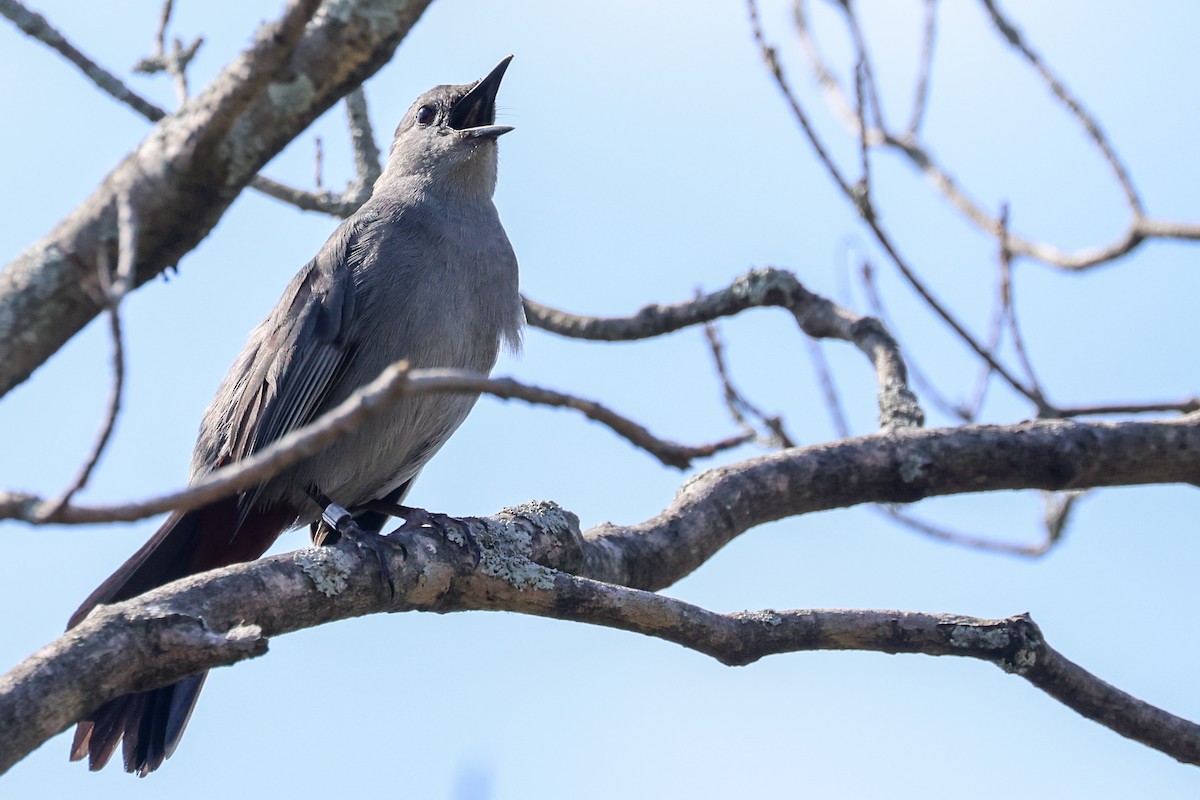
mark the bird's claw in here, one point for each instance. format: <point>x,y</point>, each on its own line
<point>450,528</point>
<point>342,521</point>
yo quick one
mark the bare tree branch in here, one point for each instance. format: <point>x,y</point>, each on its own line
<point>1089,123</point>
<point>36,26</point>
<point>218,140</point>
<point>901,466</point>
<point>920,378</point>
<point>221,617</point>
<point>372,399</point>
<point>817,316</point>
<point>918,153</point>
<point>860,200</point>
<point>943,534</point>
<point>924,68</point>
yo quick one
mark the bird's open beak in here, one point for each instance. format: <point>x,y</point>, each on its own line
<point>475,113</point>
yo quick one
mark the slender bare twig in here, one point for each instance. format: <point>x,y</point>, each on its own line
<point>921,157</point>
<point>319,157</point>
<point>1004,313</point>
<point>114,285</point>
<point>366,153</point>
<point>740,407</point>
<point>174,63</point>
<point>833,400</point>
<point>1188,406</point>
<point>926,528</point>
<point>37,27</point>
<point>863,187</point>
<point>372,399</point>
<point>324,202</point>
<point>1088,122</point>
<point>1009,301</point>
<point>770,58</point>
<point>924,68</point>
<point>864,75</point>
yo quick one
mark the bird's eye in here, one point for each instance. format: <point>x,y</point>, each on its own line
<point>425,115</point>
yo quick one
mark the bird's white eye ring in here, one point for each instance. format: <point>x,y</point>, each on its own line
<point>425,115</point>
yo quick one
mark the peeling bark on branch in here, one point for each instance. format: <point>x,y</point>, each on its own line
<point>193,164</point>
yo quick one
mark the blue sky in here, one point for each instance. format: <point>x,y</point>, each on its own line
<point>652,156</point>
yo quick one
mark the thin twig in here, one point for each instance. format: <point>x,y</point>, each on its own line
<point>740,407</point>
<point>320,159</point>
<point>1189,406</point>
<point>1089,123</point>
<point>325,202</point>
<point>863,187</point>
<point>1008,297</point>
<point>374,398</point>
<point>833,400</point>
<point>924,68</point>
<point>115,285</point>
<point>914,523</point>
<point>36,26</point>
<point>864,76</point>
<point>866,212</point>
<point>918,153</point>
<point>174,63</point>
<point>366,153</point>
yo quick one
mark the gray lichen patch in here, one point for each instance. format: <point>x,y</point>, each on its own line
<point>766,617</point>
<point>973,637</point>
<point>898,408</point>
<point>504,554</point>
<point>1022,661</point>
<point>328,567</point>
<point>914,469</point>
<point>546,514</point>
<point>292,97</point>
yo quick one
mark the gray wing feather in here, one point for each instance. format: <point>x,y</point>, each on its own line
<point>297,356</point>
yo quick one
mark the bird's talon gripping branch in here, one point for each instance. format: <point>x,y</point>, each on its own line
<point>373,543</point>
<point>450,528</point>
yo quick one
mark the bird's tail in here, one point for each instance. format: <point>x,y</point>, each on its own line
<point>152,722</point>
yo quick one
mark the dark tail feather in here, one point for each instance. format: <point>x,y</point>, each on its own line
<point>152,722</point>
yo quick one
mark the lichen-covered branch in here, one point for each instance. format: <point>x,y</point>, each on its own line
<point>193,164</point>
<point>901,466</point>
<point>524,562</point>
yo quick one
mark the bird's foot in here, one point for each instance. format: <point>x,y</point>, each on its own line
<point>452,529</point>
<point>337,520</point>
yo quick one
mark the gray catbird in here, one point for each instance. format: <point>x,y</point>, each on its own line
<point>424,272</point>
